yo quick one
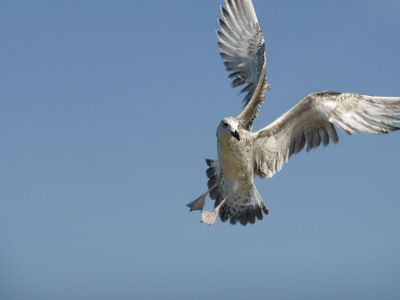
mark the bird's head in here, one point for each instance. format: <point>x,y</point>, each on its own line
<point>228,127</point>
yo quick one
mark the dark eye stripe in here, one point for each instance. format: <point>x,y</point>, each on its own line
<point>225,124</point>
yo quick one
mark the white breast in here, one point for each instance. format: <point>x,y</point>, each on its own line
<point>235,159</point>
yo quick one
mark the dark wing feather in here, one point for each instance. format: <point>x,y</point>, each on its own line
<point>242,48</point>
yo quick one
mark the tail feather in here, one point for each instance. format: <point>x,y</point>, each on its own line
<point>241,206</point>
<point>244,207</point>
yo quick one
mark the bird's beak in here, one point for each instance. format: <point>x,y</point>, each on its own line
<point>236,135</point>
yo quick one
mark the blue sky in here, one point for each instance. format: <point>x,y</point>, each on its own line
<point>108,109</point>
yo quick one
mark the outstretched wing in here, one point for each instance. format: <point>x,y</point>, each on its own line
<point>242,48</point>
<point>313,120</point>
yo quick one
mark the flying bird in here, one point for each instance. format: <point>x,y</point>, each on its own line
<point>243,153</point>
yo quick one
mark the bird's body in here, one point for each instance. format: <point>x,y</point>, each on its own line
<point>235,157</point>
<point>237,175</point>
<point>244,154</point>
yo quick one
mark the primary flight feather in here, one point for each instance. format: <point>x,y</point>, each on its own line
<point>243,154</point>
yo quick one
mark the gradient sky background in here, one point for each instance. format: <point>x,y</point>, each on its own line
<point>107,112</point>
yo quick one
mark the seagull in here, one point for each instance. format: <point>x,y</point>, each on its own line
<point>244,154</point>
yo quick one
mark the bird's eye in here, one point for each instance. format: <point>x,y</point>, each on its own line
<point>225,124</point>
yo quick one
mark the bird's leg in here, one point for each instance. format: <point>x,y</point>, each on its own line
<point>209,217</point>
<point>198,204</point>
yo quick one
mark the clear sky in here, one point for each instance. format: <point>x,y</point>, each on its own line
<point>107,112</point>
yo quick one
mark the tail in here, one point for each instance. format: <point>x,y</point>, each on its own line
<point>243,205</point>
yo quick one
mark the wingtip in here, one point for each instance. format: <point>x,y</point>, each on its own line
<point>265,210</point>
<point>209,162</point>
